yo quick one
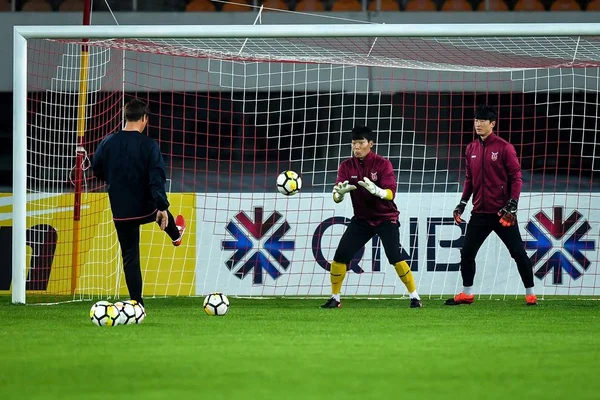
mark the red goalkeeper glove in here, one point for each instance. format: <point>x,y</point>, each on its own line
<point>508,213</point>
<point>458,211</point>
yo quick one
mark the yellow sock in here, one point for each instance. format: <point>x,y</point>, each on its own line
<point>337,274</point>
<point>406,276</point>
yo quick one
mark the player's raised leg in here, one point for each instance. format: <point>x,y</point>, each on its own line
<point>356,235</point>
<point>390,239</point>
<point>175,227</point>
<point>478,229</point>
<point>511,237</point>
<point>128,233</point>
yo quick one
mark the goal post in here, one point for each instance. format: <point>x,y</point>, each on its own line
<point>19,268</point>
<point>237,104</point>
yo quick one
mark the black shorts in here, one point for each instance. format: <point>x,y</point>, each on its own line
<point>360,232</point>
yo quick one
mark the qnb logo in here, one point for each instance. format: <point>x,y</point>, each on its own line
<point>252,253</point>
<point>563,250</point>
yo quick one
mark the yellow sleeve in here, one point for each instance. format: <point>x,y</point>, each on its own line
<point>389,195</point>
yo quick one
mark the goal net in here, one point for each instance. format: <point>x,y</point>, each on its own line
<point>231,113</point>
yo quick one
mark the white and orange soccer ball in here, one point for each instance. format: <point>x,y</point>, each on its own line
<point>216,304</point>
<point>289,183</point>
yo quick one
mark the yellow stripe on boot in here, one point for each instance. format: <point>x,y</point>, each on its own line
<point>406,276</point>
<point>337,274</point>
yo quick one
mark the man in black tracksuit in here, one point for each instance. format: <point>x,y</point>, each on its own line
<point>133,168</point>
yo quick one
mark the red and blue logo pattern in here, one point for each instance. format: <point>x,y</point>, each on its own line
<point>256,259</point>
<point>569,257</point>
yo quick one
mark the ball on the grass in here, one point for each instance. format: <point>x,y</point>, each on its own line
<point>126,313</point>
<point>216,304</point>
<point>104,313</point>
<point>140,311</point>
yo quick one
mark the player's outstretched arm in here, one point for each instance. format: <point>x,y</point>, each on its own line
<point>388,183</point>
<point>340,189</point>
<point>342,186</point>
<point>384,194</point>
<point>158,178</point>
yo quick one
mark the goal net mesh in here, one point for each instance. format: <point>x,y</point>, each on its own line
<point>231,114</point>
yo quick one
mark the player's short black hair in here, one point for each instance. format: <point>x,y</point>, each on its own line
<point>485,112</point>
<point>362,132</point>
<point>135,109</point>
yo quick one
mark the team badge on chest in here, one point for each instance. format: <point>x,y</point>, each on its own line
<point>374,176</point>
<point>494,156</point>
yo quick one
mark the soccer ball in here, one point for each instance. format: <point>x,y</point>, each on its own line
<point>139,310</point>
<point>216,304</point>
<point>289,183</point>
<point>140,313</point>
<point>104,313</point>
<point>126,312</point>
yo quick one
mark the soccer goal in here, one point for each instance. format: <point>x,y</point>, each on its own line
<point>233,106</point>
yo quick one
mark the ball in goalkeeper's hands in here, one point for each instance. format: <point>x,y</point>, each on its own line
<point>289,183</point>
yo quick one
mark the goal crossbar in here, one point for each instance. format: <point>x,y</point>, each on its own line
<point>307,30</point>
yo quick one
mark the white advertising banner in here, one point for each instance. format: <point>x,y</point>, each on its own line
<point>269,244</point>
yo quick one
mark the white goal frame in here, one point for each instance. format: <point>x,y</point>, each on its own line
<point>23,33</point>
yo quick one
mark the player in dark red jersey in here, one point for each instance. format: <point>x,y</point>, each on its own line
<point>493,177</point>
<point>370,180</point>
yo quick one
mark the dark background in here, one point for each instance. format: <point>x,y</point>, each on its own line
<point>211,143</point>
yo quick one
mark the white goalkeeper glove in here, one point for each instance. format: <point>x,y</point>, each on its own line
<point>373,188</point>
<point>341,189</point>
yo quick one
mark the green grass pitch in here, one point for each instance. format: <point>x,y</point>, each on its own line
<point>290,349</point>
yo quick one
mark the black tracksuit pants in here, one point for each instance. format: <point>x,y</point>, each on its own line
<point>478,229</point>
<point>128,232</point>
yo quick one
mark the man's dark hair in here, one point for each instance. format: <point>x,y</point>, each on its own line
<point>135,109</point>
<point>362,132</point>
<point>485,112</point>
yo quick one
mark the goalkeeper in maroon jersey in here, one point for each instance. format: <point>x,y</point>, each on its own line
<point>493,177</point>
<point>370,180</point>
<point>133,168</point>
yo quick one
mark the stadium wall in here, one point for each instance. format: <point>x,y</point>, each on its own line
<point>302,243</point>
<point>430,240</point>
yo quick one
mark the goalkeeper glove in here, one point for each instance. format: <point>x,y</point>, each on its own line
<point>373,188</point>
<point>508,213</point>
<point>341,189</point>
<point>458,211</point>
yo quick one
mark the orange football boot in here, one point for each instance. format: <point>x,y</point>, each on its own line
<point>460,298</point>
<point>531,300</point>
